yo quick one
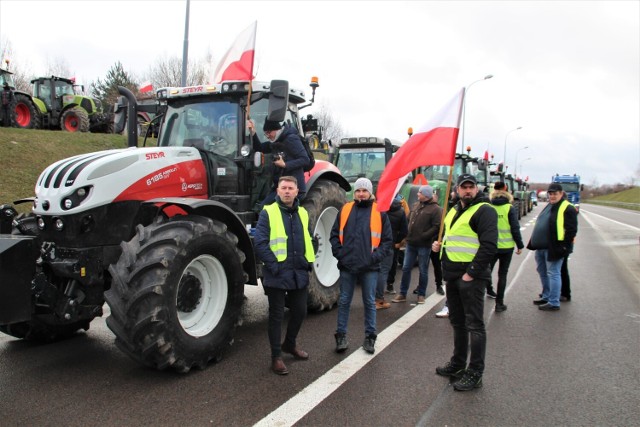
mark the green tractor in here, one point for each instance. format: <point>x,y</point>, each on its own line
<point>57,103</point>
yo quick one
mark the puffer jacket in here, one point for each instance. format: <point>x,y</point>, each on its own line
<point>355,255</point>
<point>294,155</point>
<point>424,223</point>
<point>484,223</point>
<point>293,272</point>
<point>500,198</point>
<point>398,220</point>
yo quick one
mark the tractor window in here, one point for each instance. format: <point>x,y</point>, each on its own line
<point>63,88</point>
<point>211,126</point>
<point>361,162</point>
<point>259,111</point>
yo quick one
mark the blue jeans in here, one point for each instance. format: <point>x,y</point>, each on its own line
<point>385,266</point>
<point>348,281</point>
<point>410,254</point>
<point>550,277</point>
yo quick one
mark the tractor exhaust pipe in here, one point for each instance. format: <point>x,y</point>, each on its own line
<point>132,119</point>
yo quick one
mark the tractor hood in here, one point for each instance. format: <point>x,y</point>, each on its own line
<point>90,180</point>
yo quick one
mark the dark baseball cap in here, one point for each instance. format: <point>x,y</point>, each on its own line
<point>554,187</point>
<point>465,177</point>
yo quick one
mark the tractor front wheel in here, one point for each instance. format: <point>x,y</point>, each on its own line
<point>177,292</point>
<point>75,119</point>
<point>25,114</point>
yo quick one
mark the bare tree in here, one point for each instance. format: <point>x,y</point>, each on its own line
<point>22,74</point>
<point>58,67</point>
<point>167,72</point>
<point>331,128</point>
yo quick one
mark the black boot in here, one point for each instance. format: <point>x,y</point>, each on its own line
<point>341,342</point>
<point>500,306</point>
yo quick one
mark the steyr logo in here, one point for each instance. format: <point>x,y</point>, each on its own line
<point>151,156</point>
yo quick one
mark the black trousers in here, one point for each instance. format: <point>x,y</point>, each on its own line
<point>391,277</point>
<point>297,300</point>
<point>437,267</point>
<point>566,280</point>
<point>503,269</point>
<point>466,311</point>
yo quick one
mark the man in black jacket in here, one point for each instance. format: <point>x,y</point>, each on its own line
<point>283,242</point>
<point>469,245</point>
<point>289,156</point>
<point>552,239</point>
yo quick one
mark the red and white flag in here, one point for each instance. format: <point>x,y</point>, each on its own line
<point>237,63</point>
<point>433,144</point>
<point>145,87</point>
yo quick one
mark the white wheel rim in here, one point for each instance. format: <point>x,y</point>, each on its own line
<point>325,266</point>
<point>209,309</point>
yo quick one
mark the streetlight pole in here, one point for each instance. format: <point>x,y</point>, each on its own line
<point>504,155</point>
<point>516,162</point>
<point>529,158</point>
<point>464,108</point>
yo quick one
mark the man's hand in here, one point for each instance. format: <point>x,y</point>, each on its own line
<point>435,246</point>
<point>251,126</point>
<point>518,251</point>
<point>280,163</point>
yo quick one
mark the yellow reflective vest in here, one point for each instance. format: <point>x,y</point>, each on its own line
<point>278,235</point>
<point>505,238</point>
<point>460,241</point>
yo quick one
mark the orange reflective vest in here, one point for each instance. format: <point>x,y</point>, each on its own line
<point>375,223</point>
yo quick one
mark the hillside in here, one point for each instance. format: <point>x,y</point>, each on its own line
<point>629,199</point>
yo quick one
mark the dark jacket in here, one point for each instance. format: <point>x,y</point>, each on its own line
<point>558,249</point>
<point>424,223</point>
<point>293,272</point>
<point>484,223</point>
<point>355,254</point>
<point>500,198</point>
<point>398,220</point>
<point>294,155</point>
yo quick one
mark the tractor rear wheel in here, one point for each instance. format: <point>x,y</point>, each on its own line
<point>75,119</point>
<point>26,115</point>
<point>177,292</point>
<point>323,202</point>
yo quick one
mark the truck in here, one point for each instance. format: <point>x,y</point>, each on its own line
<point>571,186</point>
<point>59,103</point>
<point>161,234</point>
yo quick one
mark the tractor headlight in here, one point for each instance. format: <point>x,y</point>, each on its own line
<point>40,223</point>
<point>76,198</point>
<point>58,224</point>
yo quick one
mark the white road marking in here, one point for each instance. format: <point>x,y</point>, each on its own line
<point>301,404</point>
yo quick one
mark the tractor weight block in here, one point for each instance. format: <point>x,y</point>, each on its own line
<point>18,256</point>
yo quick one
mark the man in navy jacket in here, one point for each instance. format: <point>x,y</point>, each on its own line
<point>283,243</point>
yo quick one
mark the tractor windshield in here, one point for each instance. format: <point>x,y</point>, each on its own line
<point>361,162</point>
<point>210,126</point>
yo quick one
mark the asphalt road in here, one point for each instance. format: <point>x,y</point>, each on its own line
<point>575,367</point>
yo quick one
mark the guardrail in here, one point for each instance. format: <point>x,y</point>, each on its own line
<point>625,205</point>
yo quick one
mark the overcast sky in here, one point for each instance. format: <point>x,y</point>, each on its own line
<point>568,73</point>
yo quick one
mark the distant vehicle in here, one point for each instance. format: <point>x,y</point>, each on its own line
<point>534,198</point>
<point>571,185</point>
<point>542,196</point>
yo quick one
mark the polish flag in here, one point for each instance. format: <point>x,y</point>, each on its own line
<point>237,63</point>
<point>145,87</point>
<point>433,144</point>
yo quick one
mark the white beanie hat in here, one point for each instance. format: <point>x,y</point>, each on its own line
<point>363,183</point>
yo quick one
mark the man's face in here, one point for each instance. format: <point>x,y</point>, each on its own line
<point>270,134</point>
<point>361,194</point>
<point>467,191</point>
<point>421,197</point>
<point>555,196</point>
<point>288,191</point>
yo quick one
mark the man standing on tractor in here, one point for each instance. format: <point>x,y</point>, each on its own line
<point>7,102</point>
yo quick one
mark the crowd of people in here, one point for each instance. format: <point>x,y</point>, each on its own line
<point>464,244</point>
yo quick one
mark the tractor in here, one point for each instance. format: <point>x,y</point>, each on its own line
<point>162,234</point>
<point>58,104</point>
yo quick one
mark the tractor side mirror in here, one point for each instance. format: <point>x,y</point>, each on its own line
<point>278,100</point>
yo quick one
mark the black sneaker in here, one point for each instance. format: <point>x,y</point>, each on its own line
<point>390,289</point>
<point>500,307</point>
<point>491,293</point>
<point>369,343</point>
<point>450,371</point>
<point>439,289</point>
<point>341,343</point>
<point>469,381</point>
<point>415,291</point>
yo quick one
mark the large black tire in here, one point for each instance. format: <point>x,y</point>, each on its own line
<point>75,119</point>
<point>323,202</point>
<point>177,292</point>
<point>44,329</point>
<point>25,114</point>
